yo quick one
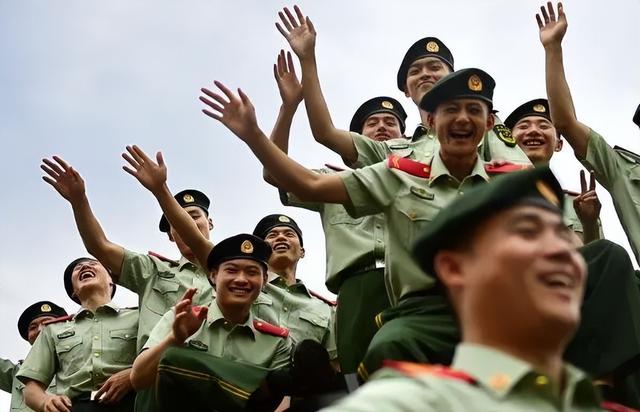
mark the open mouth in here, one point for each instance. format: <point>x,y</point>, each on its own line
<point>461,134</point>
<point>86,274</point>
<point>382,136</point>
<point>559,281</point>
<point>281,247</point>
<point>534,142</point>
<point>238,291</point>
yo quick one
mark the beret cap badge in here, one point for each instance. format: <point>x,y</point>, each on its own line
<point>475,84</point>
<point>539,108</point>
<point>387,104</point>
<point>188,198</point>
<point>433,47</point>
<point>284,219</point>
<point>45,308</point>
<point>246,247</point>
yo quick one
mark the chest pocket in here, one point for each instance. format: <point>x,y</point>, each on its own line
<point>416,209</point>
<point>69,351</point>
<point>319,325</point>
<point>122,346</point>
<point>400,150</point>
<point>164,293</point>
<point>262,308</point>
<point>344,219</point>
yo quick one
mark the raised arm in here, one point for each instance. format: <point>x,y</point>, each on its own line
<point>36,398</point>
<point>301,35</point>
<point>238,115</point>
<point>153,176</point>
<point>563,113</point>
<point>587,207</point>
<point>68,182</point>
<point>291,93</point>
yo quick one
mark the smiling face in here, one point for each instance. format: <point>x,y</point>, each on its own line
<point>422,75</point>
<point>537,137</point>
<point>202,221</point>
<point>89,277</point>
<point>238,282</point>
<point>36,326</point>
<point>460,125</point>
<point>285,244</point>
<point>381,126</point>
<point>520,275</point>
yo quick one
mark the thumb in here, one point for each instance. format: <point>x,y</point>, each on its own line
<point>160,159</point>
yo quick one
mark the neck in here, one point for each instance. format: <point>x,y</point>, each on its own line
<point>424,117</point>
<point>235,315</point>
<point>288,273</point>
<point>459,167</point>
<point>94,301</point>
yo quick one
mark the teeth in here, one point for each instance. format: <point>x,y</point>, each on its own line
<point>559,280</point>
<point>533,143</point>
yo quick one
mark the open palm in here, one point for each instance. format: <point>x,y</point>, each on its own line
<point>298,30</point>
<point>552,30</point>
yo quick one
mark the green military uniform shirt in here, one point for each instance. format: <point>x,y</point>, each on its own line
<point>9,383</point>
<point>352,244</point>
<point>618,171</point>
<point>221,338</point>
<point>409,203</point>
<point>84,352</point>
<point>425,142</point>
<point>295,308</point>
<point>159,285</point>
<point>489,380</point>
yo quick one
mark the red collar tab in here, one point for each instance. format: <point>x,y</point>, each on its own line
<point>412,167</point>
<point>616,407</point>
<point>270,329</point>
<point>415,370</point>
<point>58,320</point>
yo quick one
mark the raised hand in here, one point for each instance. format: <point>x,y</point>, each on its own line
<point>587,205</point>
<point>288,84</point>
<point>552,30</point>
<point>299,32</point>
<point>115,388</point>
<point>188,318</point>
<point>235,112</point>
<point>63,178</point>
<point>150,174</point>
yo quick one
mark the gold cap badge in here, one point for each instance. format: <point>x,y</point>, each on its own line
<point>475,84</point>
<point>433,47</point>
<point>45,308</point>
<point>246,247</point>
<point>188,198</point>
<point>284,219</point>
<point>539,108</point>
<point>547,193</point>
<point>387,104</point>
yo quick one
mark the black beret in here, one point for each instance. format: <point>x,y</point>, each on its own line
<point>242,246</point>
<point>189,197</point>
<point>466,83</point>
<point>35,311</point>
<point>381,104</point>
<point>537,186</point>
<point>636,117</point>
<point>68,286</point>
<point>429,46</point>
<point>535,107</point>
<point>267,223</point>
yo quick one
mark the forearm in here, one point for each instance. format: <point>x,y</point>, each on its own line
<point>591,231</point>
<point>184,225</point>
<point>94,238</point>
<point>280,136</point>
<point>145,367</point>
<point>324,132</point>
<point>35,395</point>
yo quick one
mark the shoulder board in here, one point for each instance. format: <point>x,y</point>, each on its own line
<point>171,262</point>
<point>504,134</point>
<point>322,298</point>
<point>616,407</point>
<point>505,168</point>
<point>412,167</point>
<point>627,153</point>
<point>270,329</point>
<point>58,320</point>
<point>336,168</point>
<point>571,193</point>
<point>415,370</point>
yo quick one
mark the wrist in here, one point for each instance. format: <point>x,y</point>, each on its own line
<point>553,47</point>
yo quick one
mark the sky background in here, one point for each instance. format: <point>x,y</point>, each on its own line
<point>82,79</point>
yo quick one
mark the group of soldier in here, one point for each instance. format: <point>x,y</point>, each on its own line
<point>459,264</point>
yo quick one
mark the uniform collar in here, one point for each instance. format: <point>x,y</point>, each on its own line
<point>296,287</point>
<point>215,317</point>
<point>422,132</point>
<point>439,170</point>
<point>109,307</point>
<point>184,262</point>
<point>499,373</point>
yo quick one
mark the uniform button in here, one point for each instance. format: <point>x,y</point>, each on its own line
<point>126,336</point>
<point>379,241</point>
<point>412,215</point>
<point>378,227</point>
<point>95,319</point>
<point>96,354</point>
<point>461,192</point>
<point>542,380</point>
<point>67,347</point>
<point>285,309</point>
<point>96,338</point>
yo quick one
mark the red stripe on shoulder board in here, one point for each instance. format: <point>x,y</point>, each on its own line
<point>58,320</point>
<point>164,259</point>
<point>506,168</point>
<point>419,369</point>
<point>412,167</point>
<point>270,329</point>
<point>322,298</point>
<point>616,407</point>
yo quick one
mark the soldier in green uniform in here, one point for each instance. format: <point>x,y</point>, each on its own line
<point>516,280</point>
<point>533,131</point>
<point>305,313</point>
<point>89,354</point>
<point>225,329</point>
<point>355,273</point>
<point>159,282</point>
<point>30,323</point>
<point>421,326</point>
<point>426,61</point>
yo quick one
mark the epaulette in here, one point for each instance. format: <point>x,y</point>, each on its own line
<point>412,167</point>
<point>270,329</point>
<point>504,134</point>
<point>334,167</point>
<point>58,320</point>
<point>415,370</point>
<point>616,407</point>
<point>571,193</point>
<point>628,154</point>
<point>322,298</point>
<point>171,262</point>
<point>505,168</point>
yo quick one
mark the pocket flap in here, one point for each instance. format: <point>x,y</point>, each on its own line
<point>126,334</point>
<point>316,319</point>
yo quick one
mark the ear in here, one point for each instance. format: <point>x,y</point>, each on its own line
<point>302,252</point>
<point>448,267</point>
<point>431,120</point>
<point>170,236</point>
<point>212,276</point>
<point>491,120</point>
<point>406,93</point>
<point>210,224</point>
<point>559,143</point>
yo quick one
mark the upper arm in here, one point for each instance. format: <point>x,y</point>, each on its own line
<point>368,151</point>
<point>282,356</point>
<point>370,189</point>
<point>602,159</point>
<point>327,189</point>
<point>40,363</point>
<point>340,141</point>
<point>577,135</point>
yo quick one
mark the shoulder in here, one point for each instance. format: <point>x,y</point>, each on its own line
<point>61,319</point>
<point>270,329</point>
<point>416,370</point>
<point>165,260</point>
<point>627,155</point>
<point>505,167</point>
<point>412,167</point>
<point>322,298</point>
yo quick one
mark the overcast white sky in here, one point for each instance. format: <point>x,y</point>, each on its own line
<point>82,79</point>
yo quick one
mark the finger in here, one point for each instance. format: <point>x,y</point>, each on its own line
<point>212,115</point>
<point>301,18</point>
<point>284,21</point>
<point>130,160</point>
<point>292,19</point>
<point>583,182</point>
<point>60,404</point>
<point>160,159</point>
<point>561,15</point>
<point>61,162</point>
<point>102,389</point>
<point>282,31</point>
<point>275,72</point>
<point>282,67</point>
<point>592,180</point>
<point>202,314</point>
<point>211,104</point>
<point>539,20</point>
<point>312,29</point>
<point>51,182</point>
<point>291,66</point>
<point>545,15</point>
<point>182,306</point>
<point>53,166</point>
<point>215,96</point>
<point>552,12</point>
<point>189,293</point>
<point>141,154</point>
<point>135,154</point>
<point>50,171</point>
<point>243,97</point>
<point>66,401</point>
<point>129,170</point>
